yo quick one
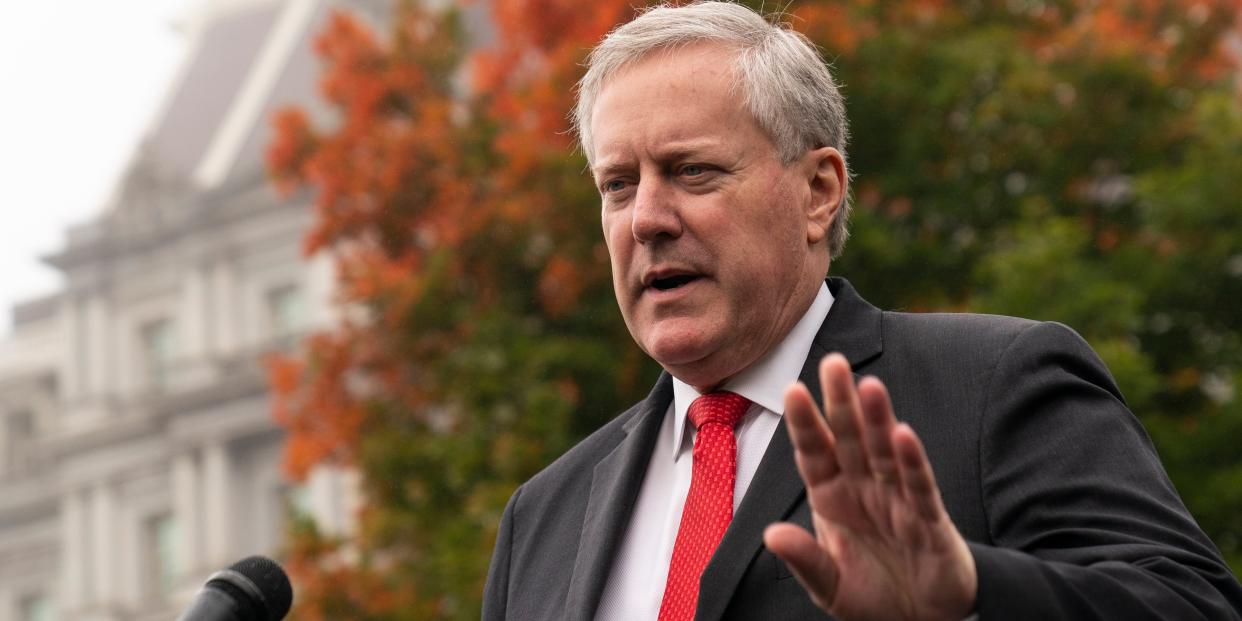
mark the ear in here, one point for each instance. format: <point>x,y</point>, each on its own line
<point>825,172</point>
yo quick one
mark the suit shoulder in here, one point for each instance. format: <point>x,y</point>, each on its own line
<point>978,345</point>
<point>950,325</point>
<point>976,330</point>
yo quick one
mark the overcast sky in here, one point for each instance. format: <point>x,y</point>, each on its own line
<point>81,80</point>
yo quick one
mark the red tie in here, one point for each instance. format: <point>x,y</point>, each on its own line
<point>709,504</point>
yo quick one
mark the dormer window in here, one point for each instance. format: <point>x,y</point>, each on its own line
<point>35,607</point>
<point>18,442</point>
<point>286,309</point>
<point>158,349</point>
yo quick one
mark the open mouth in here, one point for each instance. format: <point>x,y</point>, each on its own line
<point>673,282</point>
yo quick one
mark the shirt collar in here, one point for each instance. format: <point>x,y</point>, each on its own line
<point>765,381</point>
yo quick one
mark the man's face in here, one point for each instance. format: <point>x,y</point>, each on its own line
<point>716,247</point>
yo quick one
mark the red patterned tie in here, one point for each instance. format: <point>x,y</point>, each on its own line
<point>709,504</point>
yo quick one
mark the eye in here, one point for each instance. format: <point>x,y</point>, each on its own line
<point>693,170</point>
<point>613,185</point>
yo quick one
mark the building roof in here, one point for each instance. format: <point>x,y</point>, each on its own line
<point>245,60</point>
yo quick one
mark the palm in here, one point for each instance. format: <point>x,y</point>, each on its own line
<point>879,545</point>
<point>883,546</point>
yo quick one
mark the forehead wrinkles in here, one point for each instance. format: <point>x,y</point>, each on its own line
<point>670,104</point>
<point>725,62</point>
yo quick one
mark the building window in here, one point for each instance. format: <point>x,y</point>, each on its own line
<point>286,309</point>
<point>162,558</point>
<point>36,607</point>
<point>17,445</point>
<point>158,348</point>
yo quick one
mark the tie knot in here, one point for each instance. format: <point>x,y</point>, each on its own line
<point>725,408</point>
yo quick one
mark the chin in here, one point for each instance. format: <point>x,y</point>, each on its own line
<point>676,350</point>
<point>685,355</point>
<point>680,342</point>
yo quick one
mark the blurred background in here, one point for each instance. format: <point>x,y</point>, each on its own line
<point>323,279</point>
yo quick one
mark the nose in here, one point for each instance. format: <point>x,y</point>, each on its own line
<point>655,211</point>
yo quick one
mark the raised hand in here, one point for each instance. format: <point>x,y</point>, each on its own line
<point>883,547</point>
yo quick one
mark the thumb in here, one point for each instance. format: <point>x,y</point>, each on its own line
<point>810,563</point>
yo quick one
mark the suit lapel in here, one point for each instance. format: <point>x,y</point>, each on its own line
<point>852,328</point>
<point>615,484</point>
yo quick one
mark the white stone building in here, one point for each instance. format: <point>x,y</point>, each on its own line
<point>137,450</point>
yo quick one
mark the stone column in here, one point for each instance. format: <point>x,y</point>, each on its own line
<point>102,535</point>
<point>6,448</point>
<point>72,348</point>
<point>321,284</point>
<point>324,499</point>
<point>8,604</point>
<point>217,494</point>
<point>334,495</point>
<point>73,553</point>
<point>194,314</point>
<point>128,376</point>
<point>130,546</point>
<point>224,310</point>
<point>187,511</point>
<point>97,378</point>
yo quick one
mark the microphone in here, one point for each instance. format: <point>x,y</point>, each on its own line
<point>252,589</point>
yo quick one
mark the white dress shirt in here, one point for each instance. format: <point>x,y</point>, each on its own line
<point>635,584</point>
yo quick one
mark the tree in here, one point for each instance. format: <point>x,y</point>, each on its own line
<point>1072,162</point>
<point>482,339</point>
<point>1065,160</point>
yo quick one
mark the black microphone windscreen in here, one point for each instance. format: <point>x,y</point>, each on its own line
<point>272,582</point>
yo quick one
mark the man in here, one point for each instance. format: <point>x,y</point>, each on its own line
<point>717,142</point>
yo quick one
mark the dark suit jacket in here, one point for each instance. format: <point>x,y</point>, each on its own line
<point>1044,471</point>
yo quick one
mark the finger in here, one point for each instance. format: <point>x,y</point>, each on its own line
<point>814,447</point>
<point>916,474</point>
<point>878,424</point>
<point>811,564</point>
<point>843,410</point>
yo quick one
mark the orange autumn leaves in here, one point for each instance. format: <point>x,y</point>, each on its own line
<point>446,193</point>
<point>464,235</point>
<point>412,167</point>
<point>432,147</point>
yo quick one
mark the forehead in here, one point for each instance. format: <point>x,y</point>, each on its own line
<point>698,66</point>
<point>670,99</point>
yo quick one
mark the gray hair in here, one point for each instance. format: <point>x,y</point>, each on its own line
<point>787,87</point>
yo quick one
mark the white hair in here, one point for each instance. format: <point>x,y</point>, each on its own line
<point>785,83</point>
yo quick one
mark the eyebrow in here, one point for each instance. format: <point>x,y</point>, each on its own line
<point>679,150</point>
<point>672,151</point>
